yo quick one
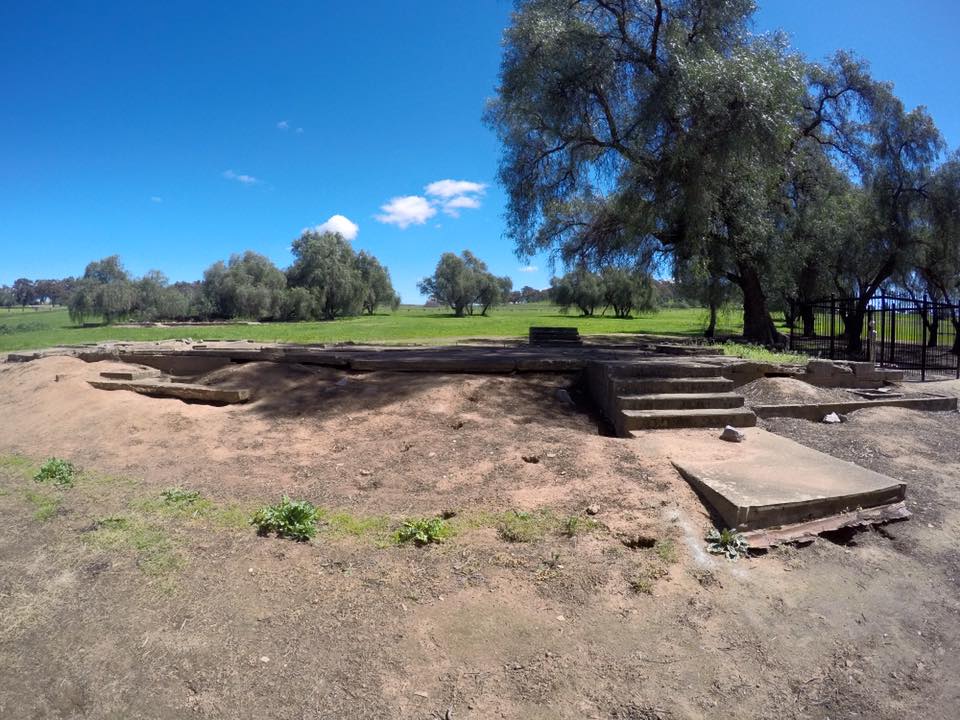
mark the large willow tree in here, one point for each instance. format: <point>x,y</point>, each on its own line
<point>633,127</point>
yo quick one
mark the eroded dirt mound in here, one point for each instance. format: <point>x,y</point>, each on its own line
<point>785,390</point>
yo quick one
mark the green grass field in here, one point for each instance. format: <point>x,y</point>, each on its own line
<point>31,329</point>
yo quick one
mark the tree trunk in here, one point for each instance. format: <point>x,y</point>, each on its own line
<point>711,330</point>
<point>808,319</point>
<point>758,326</point>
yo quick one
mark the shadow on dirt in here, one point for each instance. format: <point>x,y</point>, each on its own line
<point>292,390</point>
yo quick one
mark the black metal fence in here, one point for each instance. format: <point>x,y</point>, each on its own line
<point>918,336</point>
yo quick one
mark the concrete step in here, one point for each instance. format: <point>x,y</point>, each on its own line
<point>668,419</point>
<point>680,401</point>
<point>674,369</point>
<point>655,385</point>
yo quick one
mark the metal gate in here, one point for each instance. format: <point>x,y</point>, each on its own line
<point>918,336</point>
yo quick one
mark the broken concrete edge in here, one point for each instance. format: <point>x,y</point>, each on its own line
<point>819,410</point>
<point>748,518</point>
<point>810,530</point>
<point>179,391</point>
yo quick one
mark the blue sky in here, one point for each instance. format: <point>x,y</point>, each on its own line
<point>176,133</point>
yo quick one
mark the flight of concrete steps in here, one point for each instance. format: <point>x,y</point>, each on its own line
<point>662,395</point>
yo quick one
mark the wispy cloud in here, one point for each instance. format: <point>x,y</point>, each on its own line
<point>338,224</point>
<point>453,206</point>
<point>529,268</point>
<point>453,188</point>
<point>286,126</point>
<point>406,210</point>
<point>156,199</point>
<point>448,196</point>
<point>240,178</point>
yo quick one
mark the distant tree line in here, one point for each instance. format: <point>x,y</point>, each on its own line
<point>619,289</point>
<point>327,280</point>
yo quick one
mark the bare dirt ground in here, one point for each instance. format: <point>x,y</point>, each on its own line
<point>113,606</point>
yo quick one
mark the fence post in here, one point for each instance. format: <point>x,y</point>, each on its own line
<point>793,321</point>
<point>883,325</point>
<point>833,326</point>
<point>893,334</point>
<point>871,337</point>
<point>923,356</point>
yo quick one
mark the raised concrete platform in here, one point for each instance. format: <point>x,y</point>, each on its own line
<point>769,481</point>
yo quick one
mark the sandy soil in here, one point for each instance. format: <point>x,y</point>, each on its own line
<point>859,626</point>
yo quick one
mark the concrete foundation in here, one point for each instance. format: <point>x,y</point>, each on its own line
<point>769,481</point>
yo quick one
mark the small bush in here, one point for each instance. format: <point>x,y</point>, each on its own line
<point>423,531</point>
<point>59,472</point>
<point>294,519</point>
<point>729,543</point>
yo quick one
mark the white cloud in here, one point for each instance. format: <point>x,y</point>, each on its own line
<point>299,131</point>
<point>529,268</point>
<point>156,199</point>
<point>453,206</point>
<point>453,188</point>
<point>406,211</point>
<point>449,196</point>
<point>283,125</point>
<point>339,224</point>
<point>240,178</point>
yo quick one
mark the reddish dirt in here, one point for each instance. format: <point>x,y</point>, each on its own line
<point>860,626</point>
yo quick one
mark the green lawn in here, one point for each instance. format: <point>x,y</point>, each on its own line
<point>31,329</point>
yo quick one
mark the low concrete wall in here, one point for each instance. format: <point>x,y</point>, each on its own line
<point>817,412</point>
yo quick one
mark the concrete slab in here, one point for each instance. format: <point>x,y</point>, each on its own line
<point>770,481</point>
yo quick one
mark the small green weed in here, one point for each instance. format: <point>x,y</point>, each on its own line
<point>59,472</point>
<point>294,519</point>
<point>728,543</point>
<point>423,531</point>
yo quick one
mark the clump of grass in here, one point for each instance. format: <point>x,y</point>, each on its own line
<point>58,472</point>
<point>344,523</point>
<point>155,552</point>
<point>46,506</point>
<point>728,543</point>
<point>575,525</point>
<point>422,531</point>
<point>762,354</point>
<point>522,527</point>
<point>642,584</point>
<point>294,519</point>
<point>666,550</point>
<point>179,496</point>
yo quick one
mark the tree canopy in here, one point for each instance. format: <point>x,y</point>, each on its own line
<point>464,282</point>
<point>635,129</point>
